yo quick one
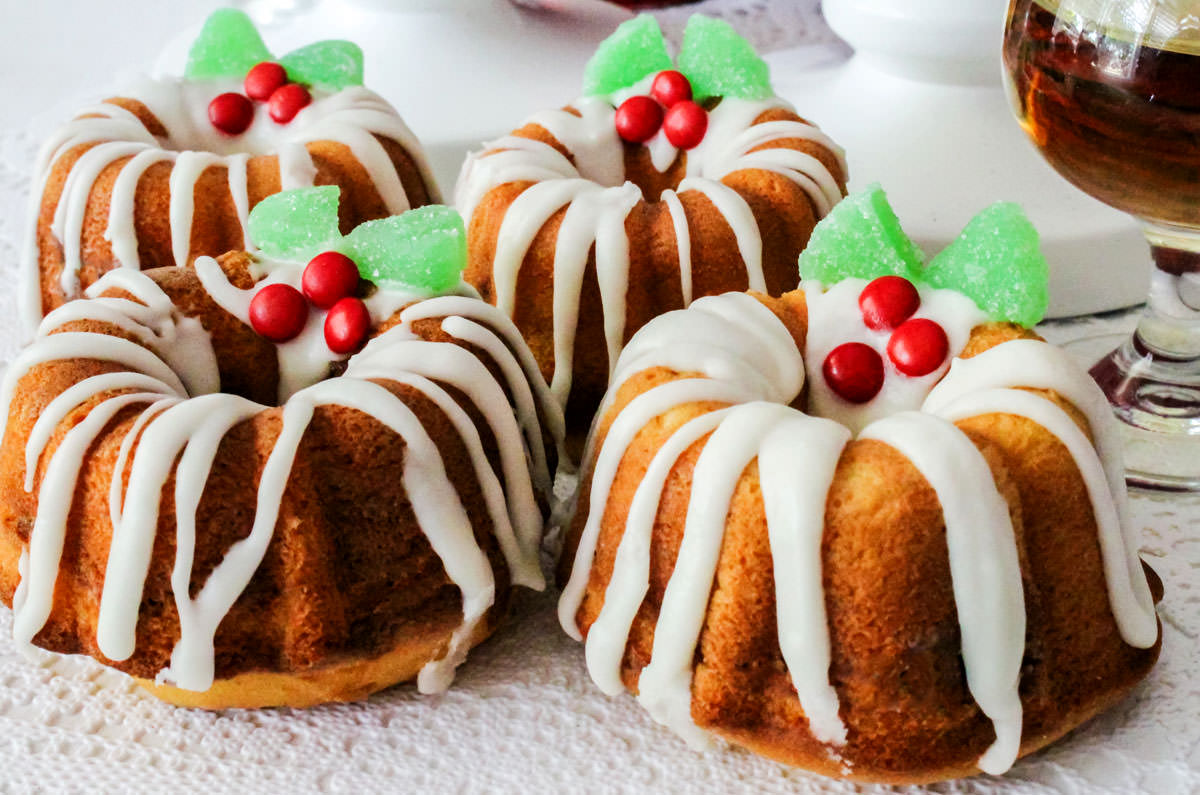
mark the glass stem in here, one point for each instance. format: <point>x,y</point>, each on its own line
<point>1169,329</point>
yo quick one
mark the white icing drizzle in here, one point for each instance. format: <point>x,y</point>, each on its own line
<point>354,117</point>
<point>1038,365</point>
<point>171,373</point>
<point>594,177</point>
<point>737,345</point>
<point>984,567</point>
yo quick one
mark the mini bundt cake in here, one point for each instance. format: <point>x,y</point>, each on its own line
<point>588,221</point>
<point>200,488</point>
<point>169,171</point>
<point>865,528</point>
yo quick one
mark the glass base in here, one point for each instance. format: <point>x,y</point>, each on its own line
<point>1158,403</point>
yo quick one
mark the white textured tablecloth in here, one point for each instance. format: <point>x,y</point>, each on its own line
<point>523,715</point>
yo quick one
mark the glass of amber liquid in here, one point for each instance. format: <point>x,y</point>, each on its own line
<point>1109,92</point>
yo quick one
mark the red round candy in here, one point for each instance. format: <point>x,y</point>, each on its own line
<point>638,119</point>
<point>685,124</point>
<point>278,312</point>
<point>670,87</point>
<point>263,79</point>
<point>854,371</point>
<point>328,278</point>
<point>346,325</point>
<point>286,101</point>
<point>231,113</point>
<point>888,301</point>
<point>918,347</point>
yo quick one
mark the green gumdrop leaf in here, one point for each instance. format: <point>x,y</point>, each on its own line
<point>228,46</point>
<point>997,263</point>
<point>296,224</point>
<point>424,248</point>
<point>330,65</point>
<point>720,63</point>
<point>861,238</point>
<point>633,51</point>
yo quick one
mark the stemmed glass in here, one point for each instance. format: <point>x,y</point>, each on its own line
<point>1109,91</point>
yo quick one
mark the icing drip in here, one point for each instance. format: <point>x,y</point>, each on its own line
<point>354,117</point>
<point>731,349</point>
<point>1037,365</point>
<point>591,184</point>
<point>183,418</point>
<point>984,568</point>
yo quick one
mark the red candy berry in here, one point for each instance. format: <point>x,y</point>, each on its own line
<point>231,113</point>
<point>685,124</point>
<point>638,119</point>
<point>854,371</point>
<point>286,101</point>
<point>670,87</point>
<point>888,301</point>
<point>278,312</point>
<point>263,79</point>
<point>346,325</point>
<point>328,278</point>
<point>918,347</point>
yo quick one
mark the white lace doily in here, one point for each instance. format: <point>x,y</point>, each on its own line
<point>523,714</point>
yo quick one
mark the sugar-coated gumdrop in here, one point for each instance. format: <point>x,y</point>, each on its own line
<point>720,63</point>
<point>634,50</point>
<point>228,46</point>
<point>296,224</point>
<point>424,248</point>
<point>861,237</point>
<point>997,263</point>
<point>330,65</point>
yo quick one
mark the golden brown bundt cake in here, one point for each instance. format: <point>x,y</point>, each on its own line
<point>241,522</point>
<point>870,530</point>
<point>169,170</point>
<point>585,223</point>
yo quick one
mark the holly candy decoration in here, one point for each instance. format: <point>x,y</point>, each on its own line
<point>287,101</point>
<point>854,371</point>
<point>714,59</point>
<point>278,312</point>
<point>888,301</point>
<point>231,113</point>
<point>995,261</point>
<point>328,278</point>
<point>296,224</point>
<point>918,347</point>
<point>670,87</point>
<point>262,81</point>
<point>685,124</point>
<point>638,119</point>
<point>346,325</point>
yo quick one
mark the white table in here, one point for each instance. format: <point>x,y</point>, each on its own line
<point>523,715</point>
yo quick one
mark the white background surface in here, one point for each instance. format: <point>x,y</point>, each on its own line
<point>523,716</point>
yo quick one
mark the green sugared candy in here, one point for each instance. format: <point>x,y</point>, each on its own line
<point>633,51</point>
<point>424,248</point>
<point>330,65</point>
<point>861,237</point>
<point>997,263</point>
<point>228,46</point>
<point>296,224</point>
<point>720,63</point>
